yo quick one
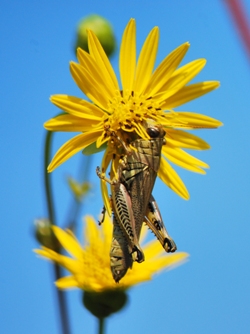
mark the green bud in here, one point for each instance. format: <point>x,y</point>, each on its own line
<point>102,29</point>
<point>103,304</point>
<point>44,234</point>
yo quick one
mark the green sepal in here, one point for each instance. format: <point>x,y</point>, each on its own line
<point>103,304</point>
<point>92,149</point>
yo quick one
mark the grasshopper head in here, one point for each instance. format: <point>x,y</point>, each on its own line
<point>156,131</point>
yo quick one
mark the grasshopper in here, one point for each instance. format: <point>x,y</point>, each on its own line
<point>132,199</point>
<point>139,172</point>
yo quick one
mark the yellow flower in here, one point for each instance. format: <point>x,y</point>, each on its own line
<point>90,265</point>
<point>145,95</point>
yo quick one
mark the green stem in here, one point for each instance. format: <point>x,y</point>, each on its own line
<point>101,325</point>
<point>64,318</point>
<point>47,177</point>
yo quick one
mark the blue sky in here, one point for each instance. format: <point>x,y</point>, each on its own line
<point>208,294</point>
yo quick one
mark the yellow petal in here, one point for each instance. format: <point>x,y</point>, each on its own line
<point>168,262</point>
<point>68,241</point>
<point>97,52</point>
<point>189,93</point>
<point>71,147</point>
<point>91,233</point>
<point>164,71</point>
<point>102,140</point>
<point>67,282</point>
<point>70,123</point>
<point>140,130</point>
<point>107,230</point>
<point>155,264</point>
<point>169,176</point>
<point>114,168</point>
<point>184,139</point>
<point>143,234</point>
<point>105,196</point>
<point>127,60</point>
<point>65,261</point>
<point>198,121</point>
<point>153,249</point>
<point>97,71</point>
<point>186,73</point>
<point>183,159</point>
<point>146,61</point>
<point>76,106</point>
<point>89,84</point>
<point>139,276</point>
<point>180,78</point>
<point>72,265</point>
<point>47,253</point>
<point>102,233</point>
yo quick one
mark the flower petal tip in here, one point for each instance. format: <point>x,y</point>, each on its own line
<point>45,125</point>
<point>216,84</point>
<point>50,168</point>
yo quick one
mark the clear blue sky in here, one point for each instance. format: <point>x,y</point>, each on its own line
<point>210,293</point>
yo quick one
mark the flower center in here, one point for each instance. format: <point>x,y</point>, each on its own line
<point>127,111</point>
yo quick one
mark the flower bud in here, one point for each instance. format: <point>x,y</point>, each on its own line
<point>44,234</point>
<point>79,190</point>
<point>102,29</point>
<point>103,304</point>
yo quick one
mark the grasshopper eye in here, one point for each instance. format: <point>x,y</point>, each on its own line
<point>153,132</point>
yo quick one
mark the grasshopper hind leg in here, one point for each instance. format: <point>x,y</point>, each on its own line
<point>120,257</point>
<point>155,223</point>
<point>120,254</point>
<point>124,215</point>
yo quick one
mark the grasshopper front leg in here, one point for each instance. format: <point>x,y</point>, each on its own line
<point>155,223</point>
<point>122,208</point>
<point>103,213</point>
